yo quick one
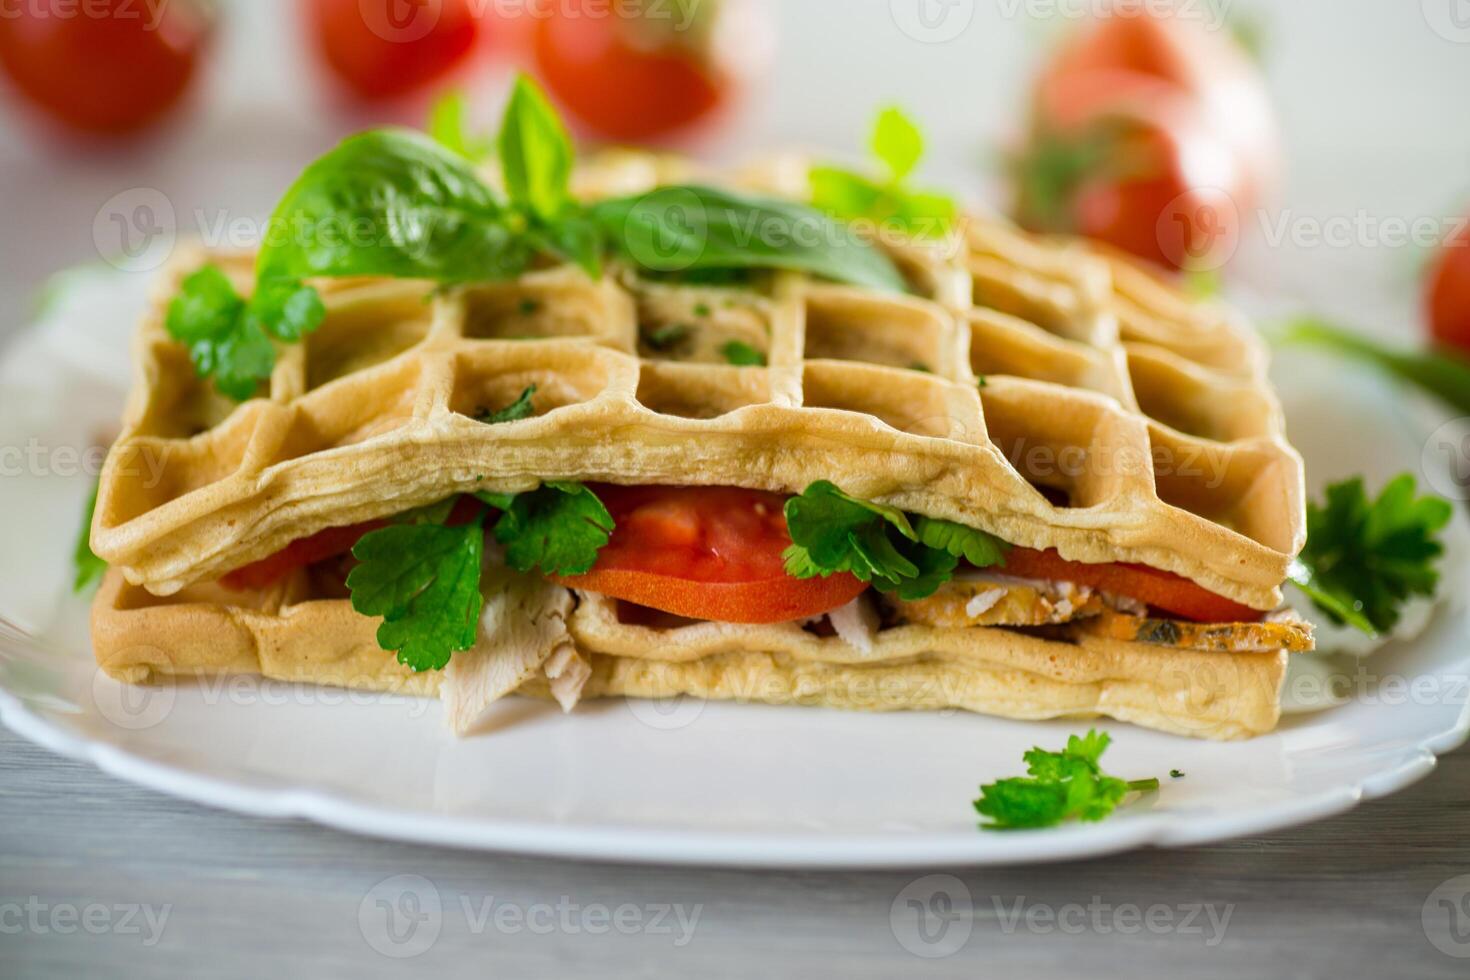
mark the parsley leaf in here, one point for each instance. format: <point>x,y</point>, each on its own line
<point>1364,558</point>
<point>974,546</point>
<point>517,410</point>
<point>832,532</point>
<point>1062,786</point>
<point>899,146</point>
<point>89,568</point>
<point>229,338</point>
<point>559,528</point>
<point>449,127</point>
<point>424,580</point>
<point>1444,375</point>
<point>741,354</point>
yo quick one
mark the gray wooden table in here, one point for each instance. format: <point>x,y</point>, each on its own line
<point>100,878</point>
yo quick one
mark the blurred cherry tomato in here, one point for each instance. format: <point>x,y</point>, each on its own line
<point>1138,57</point>
<point>105,67</point>
<point>1152,134</point>
<point>382,49</point>
<point>1157,184</point>
<point>1448,299</point>
<point>640,71</point>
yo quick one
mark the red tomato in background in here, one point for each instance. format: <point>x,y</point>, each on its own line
<point>105,67</point>
<point>1448,297</point>
<point>1140,59</point>
<point>708,553</point>
<point>641,78</point>
<point>1157,184</point>
<point>383,49</point>
<point>1150,134</point>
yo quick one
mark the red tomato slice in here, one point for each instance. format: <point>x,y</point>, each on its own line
<point>707,553</point>
<point>326,544</point>
<point>1162,590</point>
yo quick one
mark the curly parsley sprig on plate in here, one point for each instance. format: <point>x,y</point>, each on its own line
<point>1062,786</point>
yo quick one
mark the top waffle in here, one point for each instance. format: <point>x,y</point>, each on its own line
<point>1116,420</point>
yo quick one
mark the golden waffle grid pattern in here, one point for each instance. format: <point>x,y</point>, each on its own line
<point>1092,374</point>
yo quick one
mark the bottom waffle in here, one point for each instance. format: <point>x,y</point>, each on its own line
<point>287,634</point>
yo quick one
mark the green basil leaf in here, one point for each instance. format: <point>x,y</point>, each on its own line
<point>535,153</point>
<point>844,194</point>
<point>574,238</point>
<point>391,203</point>
<point>898,143</point>
<point>683,228</point>
<point>449,127</point>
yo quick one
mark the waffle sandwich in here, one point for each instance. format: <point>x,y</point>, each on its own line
<point>1108,451</point>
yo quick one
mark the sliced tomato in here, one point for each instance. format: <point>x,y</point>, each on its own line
<point>707,553</point>
<point>1162,590</point>
<point>326,544</point>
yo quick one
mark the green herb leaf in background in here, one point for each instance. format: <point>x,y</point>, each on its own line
<point>1444,375</point>
<point>1365,558</point>
<point>449,126</point>
<point>88,568</point>
<point>1062,786</point>
<point>899,146</point>
<point>559,528</point>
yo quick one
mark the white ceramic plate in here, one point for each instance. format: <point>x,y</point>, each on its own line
<point>675,783</point>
